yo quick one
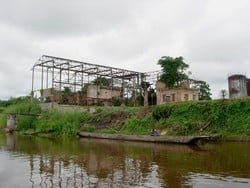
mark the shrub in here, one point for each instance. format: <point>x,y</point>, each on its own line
<point>116,101</point>
<point>138,126</point>
<point>162,111</point>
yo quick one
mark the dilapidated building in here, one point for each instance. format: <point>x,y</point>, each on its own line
<point>182,93</point>
<point>67,81</point>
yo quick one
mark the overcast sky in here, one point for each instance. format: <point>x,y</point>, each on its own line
<point>213,36</point>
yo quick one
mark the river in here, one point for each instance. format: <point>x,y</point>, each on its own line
<point>27,161</point>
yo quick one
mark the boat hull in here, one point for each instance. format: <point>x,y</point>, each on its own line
<point>145,138</point>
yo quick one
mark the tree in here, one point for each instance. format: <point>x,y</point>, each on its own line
<point>67,91</point>
<point>223,93</point>
<point>204,91</point>
<point>173,70</point>
<point>102,81</point>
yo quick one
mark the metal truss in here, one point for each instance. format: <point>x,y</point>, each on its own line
<point>58,73</point>
<point>152,77</point>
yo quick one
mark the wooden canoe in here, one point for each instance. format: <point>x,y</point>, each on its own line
<point>145,138</point>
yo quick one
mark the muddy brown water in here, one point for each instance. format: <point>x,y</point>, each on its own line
<point>27,161</point>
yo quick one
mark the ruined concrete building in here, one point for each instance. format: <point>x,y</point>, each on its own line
<point>183,93</point>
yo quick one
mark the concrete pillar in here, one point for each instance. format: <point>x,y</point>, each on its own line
<point>11,122</point>
<point>145,97</point>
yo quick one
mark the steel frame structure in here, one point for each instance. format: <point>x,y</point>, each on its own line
<point>152,77</point>
<point>57,73</point>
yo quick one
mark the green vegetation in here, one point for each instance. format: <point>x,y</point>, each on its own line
<point>174,75</point>
<point>229,118</point>
<point>138,126</point>
<point>225,117</point>
<point>11,101</point>
<point>52,122</point>
<point>173,70</point>
<point>60,123</point>
<point>102,81</point>
<point>21,105</point>
<point>204,91</point>
<point>116,101</point>
<point>223,93</point>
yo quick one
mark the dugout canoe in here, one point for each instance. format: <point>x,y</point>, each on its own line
<point>145,138</point>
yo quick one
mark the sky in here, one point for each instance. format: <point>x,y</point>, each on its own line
<point>213,36</point>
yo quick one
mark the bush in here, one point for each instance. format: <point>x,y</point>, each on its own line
<point>162,111</point>
<point>116,101</point>
<point>138,126</point>
<point>59,123</point>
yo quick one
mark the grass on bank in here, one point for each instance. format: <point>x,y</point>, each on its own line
<point>226,117</point>
<point>58,123</point>
<point>229,118</point>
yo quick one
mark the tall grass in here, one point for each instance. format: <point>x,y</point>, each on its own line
<point>58,123</point>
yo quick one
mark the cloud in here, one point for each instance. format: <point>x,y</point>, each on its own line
<point>212,36</point>
<point>62,18</point>
<point>17,53</point>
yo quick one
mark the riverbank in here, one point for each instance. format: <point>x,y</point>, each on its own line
<point>228,118</point>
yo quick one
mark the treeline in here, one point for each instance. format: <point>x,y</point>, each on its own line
<point>11,101</point>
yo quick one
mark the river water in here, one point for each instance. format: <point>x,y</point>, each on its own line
<point>27,161</point>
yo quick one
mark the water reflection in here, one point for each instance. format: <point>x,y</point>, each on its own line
<point>104,163</point>
<point>11,142</point>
